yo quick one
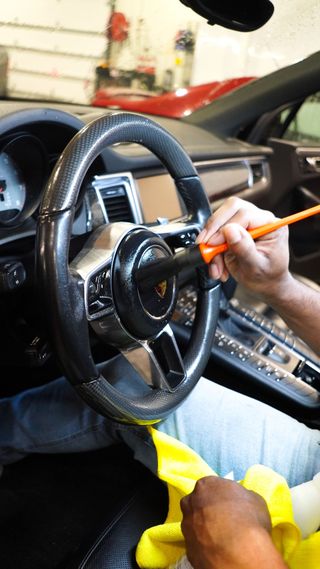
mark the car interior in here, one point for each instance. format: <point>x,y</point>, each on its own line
<point>90,194</point>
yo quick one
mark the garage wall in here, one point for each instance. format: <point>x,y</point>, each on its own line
<point>52,49</point>
<point>55,45</point>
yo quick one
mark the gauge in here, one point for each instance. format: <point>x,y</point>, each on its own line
<point>12,189</point>
<point>23,172</point>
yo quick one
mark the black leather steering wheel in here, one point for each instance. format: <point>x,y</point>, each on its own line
<point>103,275</point>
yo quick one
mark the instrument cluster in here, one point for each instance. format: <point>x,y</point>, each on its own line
<point>24,168</point>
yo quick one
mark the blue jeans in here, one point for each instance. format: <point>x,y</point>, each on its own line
<point>229,430</point>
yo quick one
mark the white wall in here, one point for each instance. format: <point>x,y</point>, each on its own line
<point>53,50</point>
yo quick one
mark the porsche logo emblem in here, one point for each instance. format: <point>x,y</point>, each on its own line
<point>161,289</point>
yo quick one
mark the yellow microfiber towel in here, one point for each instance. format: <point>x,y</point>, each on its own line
<point>180,467</point>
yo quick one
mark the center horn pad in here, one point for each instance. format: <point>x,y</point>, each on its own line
<point>142,313</point>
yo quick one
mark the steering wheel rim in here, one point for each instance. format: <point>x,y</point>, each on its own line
<point>64,288</point>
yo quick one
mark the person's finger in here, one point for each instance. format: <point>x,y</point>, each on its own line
<point>224,213</point>
<point>217,267</point>
<point>224,275</point>
<point>241,245</point>
<point>214,272</point>
<point>206,233</point>
<point>244,217</point>
<point>218,272</point>
<point>233,210</point>
<point>185,504</point>
<point>201,237</point>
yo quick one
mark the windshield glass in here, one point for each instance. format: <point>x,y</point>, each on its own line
<point>153,56</point>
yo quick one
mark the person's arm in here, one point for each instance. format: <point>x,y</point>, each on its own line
<point>227,527</point>
<point>262,266</point>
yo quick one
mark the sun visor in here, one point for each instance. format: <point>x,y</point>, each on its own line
<point>240,15</point>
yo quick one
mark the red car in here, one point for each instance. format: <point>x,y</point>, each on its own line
<point>175,104</point>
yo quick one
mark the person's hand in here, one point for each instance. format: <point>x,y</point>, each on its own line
<point>261,265</point>
<point>227,526</point>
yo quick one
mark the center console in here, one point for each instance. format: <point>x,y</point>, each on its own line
<point>259,350</point>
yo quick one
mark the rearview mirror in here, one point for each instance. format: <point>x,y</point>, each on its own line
<point>240,15</point>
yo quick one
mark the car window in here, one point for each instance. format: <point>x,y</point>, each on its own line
<point>305,124</point>
<point>156,56</point>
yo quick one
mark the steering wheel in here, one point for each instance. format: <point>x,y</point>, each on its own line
<point>98,287</point>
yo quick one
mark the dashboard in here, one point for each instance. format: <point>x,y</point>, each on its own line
<point>31,140</point>
<point>128,183</point>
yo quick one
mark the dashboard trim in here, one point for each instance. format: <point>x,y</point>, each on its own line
<point>126,179</point>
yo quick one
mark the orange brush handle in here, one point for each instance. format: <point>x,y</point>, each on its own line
<point>208,252</point>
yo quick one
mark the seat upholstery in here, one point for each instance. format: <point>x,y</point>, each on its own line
<point>115,547</point>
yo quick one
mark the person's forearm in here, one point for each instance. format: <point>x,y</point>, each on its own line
<point>255,551</point>
<point>299,306</point>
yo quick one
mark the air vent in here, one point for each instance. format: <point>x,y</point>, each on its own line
<point>118,198</point>
<point>116,204</point>
<point>257,172</point>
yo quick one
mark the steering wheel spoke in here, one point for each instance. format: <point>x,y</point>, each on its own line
<point>93,264</point>
<point>96,285</point>
<point>158,361</point>
<point>98,298</point>
<point>178,233</point>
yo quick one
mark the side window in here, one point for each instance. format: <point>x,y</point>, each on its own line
<point>304,127</point>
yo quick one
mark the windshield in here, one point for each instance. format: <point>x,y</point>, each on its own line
<point>148,56</point>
